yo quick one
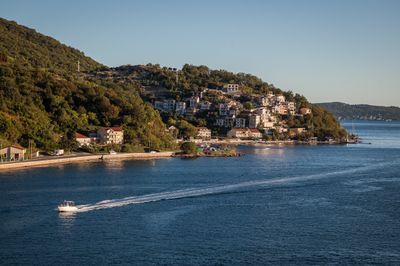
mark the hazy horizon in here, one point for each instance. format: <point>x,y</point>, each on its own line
<point>345,51</point>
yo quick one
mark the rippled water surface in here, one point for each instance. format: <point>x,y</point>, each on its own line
<point>276,205</point>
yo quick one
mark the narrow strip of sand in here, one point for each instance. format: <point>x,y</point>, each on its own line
<point>82,158</point>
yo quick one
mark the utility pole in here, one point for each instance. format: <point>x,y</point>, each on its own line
<point>30,147</point>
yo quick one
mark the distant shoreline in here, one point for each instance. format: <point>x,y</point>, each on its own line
<point>82,158</point>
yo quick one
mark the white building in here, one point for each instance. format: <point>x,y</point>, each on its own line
<point>254,120</point>
<point>169,105</point>
<point>229,121</point>
<point>205,105</point>
<point>279,98</point>
<point>193,101</point>
<point>305,111</point>
<point>223,109</point>
<point>244,133</point>
<point>180,107</point>
<point>12,153</point>
<point>291,107</point>
<point>240,122</point>
<point>203,133</point>
<point>159,105</point>
<point>263,101</point>
<point>110,135</point>
<point>231,88</point>
<point>220,122</point>
<point>82,139</point>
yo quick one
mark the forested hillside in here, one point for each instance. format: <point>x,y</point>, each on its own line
<point>44,99</point>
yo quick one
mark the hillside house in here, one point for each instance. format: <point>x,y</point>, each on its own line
<point>110,135</point>
<point>12,153</point>
<point>191,111</point>
<point>240,133</point>
<point>203,133</point>
<point>279,98</point>
<point>174,131</point>
<point>305,111</point>
<point>240,122</point>
<point>193,101</point>
<point>205,105</point>
<point>263,101</point>
<point>296,131</point>
<point>244,133</point>
<point>159,105</point>
<point>254,133</point>
<point>180,107</point>
<point>254,120</point>
<point>291,107</point>
<point>169,105</point>
<point>82,139</point>
<point>231,88</point>
<point>223,109</point>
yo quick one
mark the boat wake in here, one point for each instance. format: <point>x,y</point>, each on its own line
<point>197,192</point>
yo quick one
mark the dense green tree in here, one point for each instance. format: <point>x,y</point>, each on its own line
<point>189,147</point>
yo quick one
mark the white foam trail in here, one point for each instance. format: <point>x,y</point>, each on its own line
<point>195,192</point>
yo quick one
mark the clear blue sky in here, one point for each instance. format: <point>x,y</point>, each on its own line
<point>326,50</point>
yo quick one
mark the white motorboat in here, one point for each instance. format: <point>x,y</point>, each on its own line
<point>67,206</point>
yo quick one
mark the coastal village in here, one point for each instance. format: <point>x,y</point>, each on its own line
<point>259,119</point>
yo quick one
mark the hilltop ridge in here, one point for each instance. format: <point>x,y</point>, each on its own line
<point>362,111</point>
<point>40,51</point>
<point>45,100</point>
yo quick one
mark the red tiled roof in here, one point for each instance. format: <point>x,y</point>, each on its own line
<point>117,129</point>
<point>114,128</point>
<point>239,129</point>
<point>17,147</point>
<point>80,136</point>
<point>254,130</point>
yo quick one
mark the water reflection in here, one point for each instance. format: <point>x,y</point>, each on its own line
<point>263,150</point>
<point>115,165</point>
<point>66,220</point>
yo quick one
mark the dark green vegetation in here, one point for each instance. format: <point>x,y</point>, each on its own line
<point>189,147</point>
<point>44,99</point>
<point>362,111</point>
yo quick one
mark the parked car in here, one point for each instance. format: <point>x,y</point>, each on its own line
<point>59,152</point>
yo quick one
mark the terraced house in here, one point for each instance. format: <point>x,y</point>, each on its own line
<point>110,135</point>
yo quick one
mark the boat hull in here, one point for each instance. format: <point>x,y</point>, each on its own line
<point>67,208</point>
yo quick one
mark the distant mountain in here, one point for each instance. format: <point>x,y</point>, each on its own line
<point>362,111</point>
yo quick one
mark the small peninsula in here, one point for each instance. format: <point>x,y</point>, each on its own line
<point>362,111</point>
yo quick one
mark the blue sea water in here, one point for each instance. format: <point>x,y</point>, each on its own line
<point>286,205</point>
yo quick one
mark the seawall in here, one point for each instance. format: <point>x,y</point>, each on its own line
<point>83,158</point>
